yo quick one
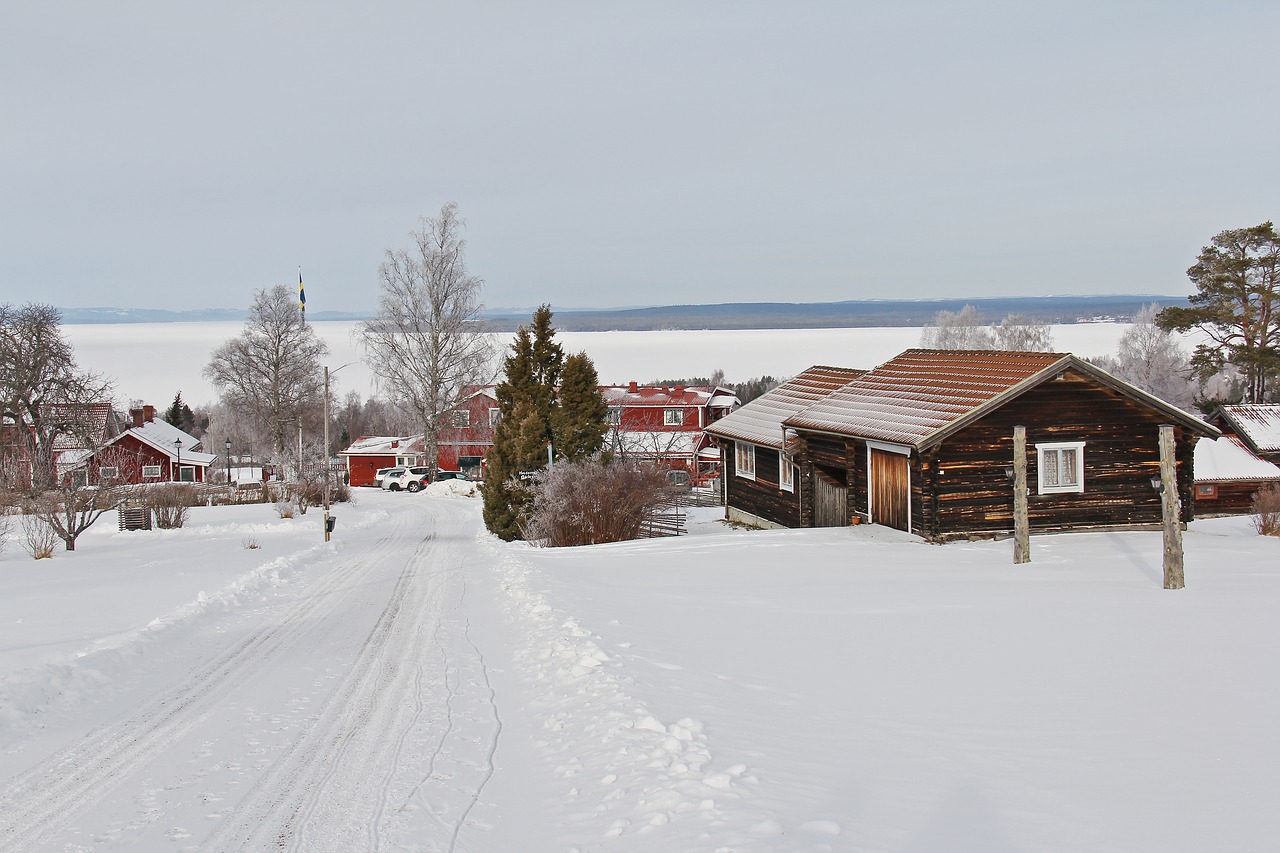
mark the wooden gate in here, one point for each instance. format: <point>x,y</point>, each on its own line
<point>830,502</point>
<point>890,485</point>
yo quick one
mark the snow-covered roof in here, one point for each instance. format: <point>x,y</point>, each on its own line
<point>921,396</point>
<point>658,395</point>
<point>1258,424</point>
<point>163,436</point>
<point>383,445</point>
<point>760,421</point>
<point>1228,459</point>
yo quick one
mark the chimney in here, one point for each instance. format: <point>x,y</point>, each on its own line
<point>633,387</point>
<point>148,414</point>
<point>678,390</point>
<point>136,416</point>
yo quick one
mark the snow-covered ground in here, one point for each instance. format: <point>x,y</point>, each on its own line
<point>418,685</point>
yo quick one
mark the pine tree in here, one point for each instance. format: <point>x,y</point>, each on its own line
<point>173,414</point>
<point>580,421</point>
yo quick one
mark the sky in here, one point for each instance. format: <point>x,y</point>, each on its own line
<point>160,155</point>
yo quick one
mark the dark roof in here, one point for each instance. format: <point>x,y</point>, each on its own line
<point>921,396</point>
<point>760,421</point>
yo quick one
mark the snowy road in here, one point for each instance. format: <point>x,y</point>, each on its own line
<point>357,716</point>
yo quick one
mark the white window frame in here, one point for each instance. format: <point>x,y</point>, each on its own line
<point>615,416</point>
<point>108,472</point>
<point>186,474</point>
<point>495,415</point>
<point>744,460</point>
<point>1056,450</point>
<point>786,473</point>
<point>150,471</point>
<point>672,417</point>
<point>460,419</point>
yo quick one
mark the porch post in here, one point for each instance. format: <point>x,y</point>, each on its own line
<point>1171,510</point>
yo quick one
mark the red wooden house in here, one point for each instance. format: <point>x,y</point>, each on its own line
<point>667,424</point>
<point>149,451</point>
<point>368,453</point>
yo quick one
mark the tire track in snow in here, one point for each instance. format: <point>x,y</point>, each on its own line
<point>43,800</point>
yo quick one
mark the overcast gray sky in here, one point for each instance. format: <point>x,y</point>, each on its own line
<point>169,155</point>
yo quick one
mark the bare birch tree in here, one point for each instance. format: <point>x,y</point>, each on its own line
<point>426,344</point>
<point>43,393</point>
<point>271,373</point>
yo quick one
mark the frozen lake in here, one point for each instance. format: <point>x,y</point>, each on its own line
<point>153,361</point>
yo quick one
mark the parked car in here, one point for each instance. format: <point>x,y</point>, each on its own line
<point>450,475</point>
<point>409,479</point>
<point>380,476</point>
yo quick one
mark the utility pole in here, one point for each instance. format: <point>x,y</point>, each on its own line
<point>325,454</point>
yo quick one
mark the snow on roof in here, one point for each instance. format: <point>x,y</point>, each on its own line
<point>919,392</point>
<point>658,395</point>
<point>381,445</point>
<point>760,421</point>
<point>163,436</point>
<point>1259,423</point>
<point>921,396</point>
<point>1228,459</point>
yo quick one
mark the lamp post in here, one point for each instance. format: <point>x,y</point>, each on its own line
<point>327,529</point>
<point>177,443</point>
<point>227,445</point>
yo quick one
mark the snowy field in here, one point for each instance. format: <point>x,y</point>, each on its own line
<point>154,361</point>
<point>416,685</point>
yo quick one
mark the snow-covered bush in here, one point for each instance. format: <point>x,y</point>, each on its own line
<point>1266,509</point>
<point>588,502</point>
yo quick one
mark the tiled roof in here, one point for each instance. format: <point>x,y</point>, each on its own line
<point>659,395</point>
<point>914,395</point>
<point>760,421</point>
<point>1258,424</point>
<point>381,445</point>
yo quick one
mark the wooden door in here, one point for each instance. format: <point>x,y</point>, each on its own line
<point>830,502</point>
<point>890,485</point>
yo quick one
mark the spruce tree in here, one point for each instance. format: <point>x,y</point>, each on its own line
<point>580,421</point>
<point>173,414</point>
<point>526,402</point>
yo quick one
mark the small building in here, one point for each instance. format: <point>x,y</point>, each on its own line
<point>466,437</point>
<point>1257,425</point>
<point>923,444</point>
<point>368,453</point>
<point>1228,475</point>
<point>149,451</point>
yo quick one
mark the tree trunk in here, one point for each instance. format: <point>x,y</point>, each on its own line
<point>1172,511</point>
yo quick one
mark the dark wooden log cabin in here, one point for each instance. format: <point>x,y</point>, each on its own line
<point>923,444</point>
<point>1228,475</point>
<point>759,473</point>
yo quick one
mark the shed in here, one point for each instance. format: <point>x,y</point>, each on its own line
<point>1228,475</point>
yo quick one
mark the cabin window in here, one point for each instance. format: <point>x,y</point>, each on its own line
<point>495,415</point>
<point>108,472</point>
<point>461,418</point>
<point>615,415</point>
<point>744,460</point>
<point>673,417</point>
<point>1207,490</point>
<point>187,474</point>
<point>1060,467</point>
<point>786,473</point>
<point>151,470</point>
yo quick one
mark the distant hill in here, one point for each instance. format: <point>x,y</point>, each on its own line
<point>729,315</point>
<point>842,315</point>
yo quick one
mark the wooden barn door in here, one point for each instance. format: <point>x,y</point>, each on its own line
<point>830,502</point>
<point>890,483</point>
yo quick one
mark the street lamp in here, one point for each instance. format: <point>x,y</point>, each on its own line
<point>227,445</point>
<point>177,443</point>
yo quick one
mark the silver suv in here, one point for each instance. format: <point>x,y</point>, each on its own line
<point>409,479</point>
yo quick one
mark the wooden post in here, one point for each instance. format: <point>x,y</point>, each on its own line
<point>1021,524</point>
<point>1171,507</point>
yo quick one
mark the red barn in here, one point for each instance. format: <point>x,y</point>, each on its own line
<point>150,451</point>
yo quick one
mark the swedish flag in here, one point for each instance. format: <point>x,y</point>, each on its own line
<point>302,297</point>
